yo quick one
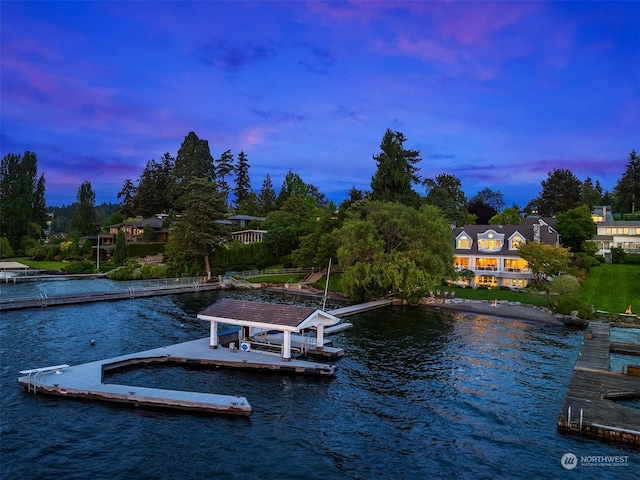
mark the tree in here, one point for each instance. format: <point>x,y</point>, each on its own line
<point>224,168</point>
<point>84,221</point>
<point>445,192</point>
<point>591,195</point>
<point>494,199</point>
<point>120,253</point>
<point>194,161</point>
<point>396,172</point>
<point>626,193</point>
<point>287,225</point>
<point>151,194</point>
<point>560,192</point>
<point>319,246</point>
<point>197,232</point>
<point>22,199</point>
<point>267,197</point>
<point>390,247</point>
<point>575,226</point>
<point>482,211</point>
<point>128,196</point>
<point>509,216</point>
<point>544,260</point>
<point>242,190</point>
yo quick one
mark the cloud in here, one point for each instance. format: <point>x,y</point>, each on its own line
<point>223,54</point>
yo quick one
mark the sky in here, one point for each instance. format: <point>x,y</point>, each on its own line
<point>498,94</point>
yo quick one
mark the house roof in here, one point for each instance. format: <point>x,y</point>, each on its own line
<point>241,312</point>
<point>526,228</point>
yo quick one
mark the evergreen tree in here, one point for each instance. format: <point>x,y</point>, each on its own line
<point>194,161</point>
<point>396,171</point>
<point>267,197</point>
<point>151,193</point>
<point>626,193</point>
<point>560,192</point>
<point>445,192</point>
<point>128,196</point>
<point>120,253</point>
<point>590,195</point>
<point>242,189</point>
<point>225,168</point>
<point>84,221</point>
<point>22,199</point>
<point>197,233</point>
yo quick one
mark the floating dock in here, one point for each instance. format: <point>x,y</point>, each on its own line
<point>86,380</point>
<point>589,406</point>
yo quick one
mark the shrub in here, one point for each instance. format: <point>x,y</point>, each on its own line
<point>564,285</point>
<point>79,267</point>
<point>5,248</point>
<point>632,259</point>
<point>586,262</point>
<point>566,304</point>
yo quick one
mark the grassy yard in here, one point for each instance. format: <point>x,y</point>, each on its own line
<point>612,287</point>
<point>286,278</point>
<point>42,265</point>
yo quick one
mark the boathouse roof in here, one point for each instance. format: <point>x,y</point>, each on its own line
<point>241,312</point>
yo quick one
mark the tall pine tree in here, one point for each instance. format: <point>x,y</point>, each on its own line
<point>84,221</point>
<point>242,190</point>
<point>23,215</point>
<point>396,173</point>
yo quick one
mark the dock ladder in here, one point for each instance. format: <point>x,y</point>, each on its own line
<point>43,300</point>
<point>32,375</point>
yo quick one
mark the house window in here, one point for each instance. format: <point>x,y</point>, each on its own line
<point>490,241</point>
<point>462,262</point>
<point>487,264</point>
<point>463,242</point>
<point>490,244</point>
<point>516,241</point>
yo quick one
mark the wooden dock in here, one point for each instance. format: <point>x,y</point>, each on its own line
<point>361,307</point>
<point>87,380</point>
<point>589,406</point>
<point>46,301</point>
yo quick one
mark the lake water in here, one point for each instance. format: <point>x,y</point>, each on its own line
<point>419,394</point>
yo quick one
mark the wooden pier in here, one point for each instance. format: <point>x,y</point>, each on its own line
<point>57,300</point>
<point>589,406</point>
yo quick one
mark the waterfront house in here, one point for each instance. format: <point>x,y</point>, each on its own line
<point>623,234</point>
<point>491,251</point>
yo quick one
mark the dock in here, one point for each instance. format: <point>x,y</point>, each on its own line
<point>361,307</point>
<point>86,380</point>
<point>590,406</point>
<point>130,293</point>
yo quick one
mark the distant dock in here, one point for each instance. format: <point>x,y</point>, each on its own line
<point>131,292</point>
<point>589,406</point>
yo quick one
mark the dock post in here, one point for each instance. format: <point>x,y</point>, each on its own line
<point>581,412</point>
<point>569,417</point>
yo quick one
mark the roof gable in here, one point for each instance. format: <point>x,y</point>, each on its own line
<point>240,312</point>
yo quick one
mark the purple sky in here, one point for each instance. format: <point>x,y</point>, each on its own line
<point>496,93</point>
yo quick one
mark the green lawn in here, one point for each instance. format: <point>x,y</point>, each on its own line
<point>612,287</point>
<point>50,265</point>
<point>286,278</point>
<point>509,295</point>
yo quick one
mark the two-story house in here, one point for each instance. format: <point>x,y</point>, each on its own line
<point>491,251</point>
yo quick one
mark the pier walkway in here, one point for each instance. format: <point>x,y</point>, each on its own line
<point>46,301</point>
<point>589,406</point>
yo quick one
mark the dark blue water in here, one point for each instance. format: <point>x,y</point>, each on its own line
<point>419,394</point>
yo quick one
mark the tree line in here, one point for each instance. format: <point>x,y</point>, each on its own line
<point>391,238</point>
